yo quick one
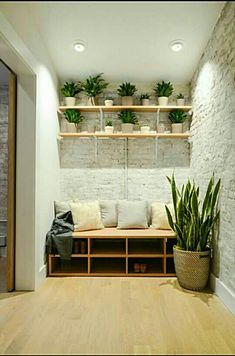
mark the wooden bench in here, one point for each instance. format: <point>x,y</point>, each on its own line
<point>113,252</point>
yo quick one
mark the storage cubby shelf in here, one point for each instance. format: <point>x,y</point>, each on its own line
<point>123,135</point>
<point>136,108</point>
<point>113,252</point>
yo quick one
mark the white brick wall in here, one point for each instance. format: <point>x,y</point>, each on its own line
<point>85,176</point>
<point>213,129</point>
<point>3,150</point>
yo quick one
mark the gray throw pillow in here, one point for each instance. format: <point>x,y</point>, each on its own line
<point>61,207</point>
<point>132,214</point>
<point>108,210</point>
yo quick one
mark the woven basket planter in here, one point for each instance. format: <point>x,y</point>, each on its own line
<point>192,268</point>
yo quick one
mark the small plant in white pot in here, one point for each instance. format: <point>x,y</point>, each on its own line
<point>109,127</point>
<point>69,90</point>
<point>108,101</point>
<point>194,223</point>
<point>128,119</point>
<point>144,98</point>
<point>126,91</point>
<point>93,86</point>
<point>180,100</point>
<point>177,118</point>
<point>163,90</point>
<point>74,118</point>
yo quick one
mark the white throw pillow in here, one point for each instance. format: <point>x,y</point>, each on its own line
<point>86,216</point>
<point>159,215</point>
<point>108,209</point>
<point>61,207</point>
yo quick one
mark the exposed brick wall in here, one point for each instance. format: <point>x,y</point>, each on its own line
<point>213,130</point>
<point>3,150</point>
<point>86,175</point>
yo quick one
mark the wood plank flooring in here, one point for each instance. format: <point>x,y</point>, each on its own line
<point>114,316</point>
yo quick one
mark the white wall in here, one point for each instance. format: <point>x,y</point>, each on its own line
<point>213,130</point>
<point>18,30</point>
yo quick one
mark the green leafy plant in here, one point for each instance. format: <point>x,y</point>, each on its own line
<point>144,96</point>
<point>163,89</point>
<point>73,116</point>
<point>126,89</point>
<point>177,116</point>
<point>94,85</point>
<point>71,89</point>
<point>194,222</point>
<point>180,96</point>
<point>127,117</point>
<point>109,123</point>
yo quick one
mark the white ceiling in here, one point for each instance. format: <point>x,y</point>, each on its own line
<point>127,41</point>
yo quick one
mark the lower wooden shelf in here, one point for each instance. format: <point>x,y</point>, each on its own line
<point>116,255</point>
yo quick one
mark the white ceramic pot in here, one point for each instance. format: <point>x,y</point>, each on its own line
<point>108,129</point>
<point>71,127</point>
<point>162,100</point>
<point>92,101</point>
<point>145,102</point>
<point>180,102</point>
<point>144,129</point>
<point>127,128</point>
<point>127,100</point>
<point>108,102</point>
<point>177,128</point>
<point>70,101</point>
<point>160,128</point>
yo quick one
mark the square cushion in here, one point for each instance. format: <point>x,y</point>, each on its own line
<point>86,216</point>
<point>61,207</point>
<point>159,215</point>
<point>108,209</point>
<point>132,214</point>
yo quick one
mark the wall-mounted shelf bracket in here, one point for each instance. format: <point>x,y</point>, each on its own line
<point>101,119</point>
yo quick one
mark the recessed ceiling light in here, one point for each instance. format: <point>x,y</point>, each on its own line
<point>79,46</point>
<point>177,45</point>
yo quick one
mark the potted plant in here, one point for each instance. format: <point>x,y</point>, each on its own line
<point>126,91</point>
<point>109,127</point>
<point>180,100</point>
<point>73,118</point>
<point>194,222</point>
<point>177,118</point>
<point>144,97</point>
<point>163,90</point>
<point>69,90</point>
<point>108,101</point>
<point>93,86</point>
<point>128,119</point>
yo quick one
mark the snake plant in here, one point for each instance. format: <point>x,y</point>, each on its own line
<point>193,222</point>
<point>180,96</point>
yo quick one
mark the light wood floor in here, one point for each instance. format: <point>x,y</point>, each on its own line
<point>114,316</point>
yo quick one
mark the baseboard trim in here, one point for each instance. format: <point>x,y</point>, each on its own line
<point>225,294</point>
<point>41,275</point>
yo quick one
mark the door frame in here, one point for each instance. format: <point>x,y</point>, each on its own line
<point>11,178</point>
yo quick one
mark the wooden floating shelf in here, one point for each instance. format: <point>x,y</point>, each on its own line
<point>115,108</point>
<point>123,135</point>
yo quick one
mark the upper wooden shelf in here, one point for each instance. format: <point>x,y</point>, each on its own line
<point>122,135</point>
<point>115,108</point>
